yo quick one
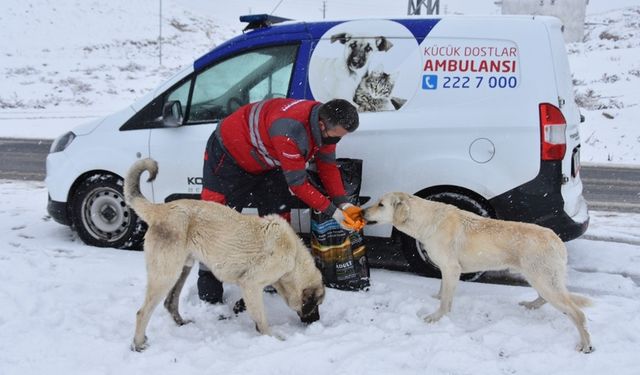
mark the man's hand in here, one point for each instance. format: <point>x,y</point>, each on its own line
<point>349,217</point>
<point>339,216</point>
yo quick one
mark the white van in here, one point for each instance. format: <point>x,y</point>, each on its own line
<point>478,112</point>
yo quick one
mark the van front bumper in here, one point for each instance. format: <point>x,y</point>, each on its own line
<point>540,201</point>
<point>58,211</point>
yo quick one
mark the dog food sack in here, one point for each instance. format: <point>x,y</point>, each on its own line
<point>340,255</point>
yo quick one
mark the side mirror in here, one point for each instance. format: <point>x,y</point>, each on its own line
<point>172,114</point>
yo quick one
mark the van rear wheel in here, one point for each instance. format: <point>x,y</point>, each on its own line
<point>414,251</point>
<point>102,218</point>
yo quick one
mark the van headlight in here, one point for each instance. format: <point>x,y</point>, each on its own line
<point>62,142</point>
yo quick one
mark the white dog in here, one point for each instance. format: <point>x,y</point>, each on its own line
<point>341,75</point>
<point>458,241</point>
<point>246,250</point>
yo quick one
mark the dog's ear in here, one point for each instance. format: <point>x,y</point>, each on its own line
<point>383,44</point>
<point>400,209</point>
<point>342,38</point>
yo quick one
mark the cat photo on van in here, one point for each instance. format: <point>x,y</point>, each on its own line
<point>374,91</point>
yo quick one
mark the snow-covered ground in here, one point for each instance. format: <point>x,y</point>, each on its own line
<point>63,63</point>
<point>68,308</point>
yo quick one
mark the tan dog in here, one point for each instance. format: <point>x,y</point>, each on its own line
<point>249,251</point>
<point>458,241</point>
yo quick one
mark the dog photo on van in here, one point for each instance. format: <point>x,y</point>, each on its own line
<point>247,250</point>
<point>458,242</point>
<point>363,66</point>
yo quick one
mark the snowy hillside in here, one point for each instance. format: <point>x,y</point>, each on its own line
<point>64,62</point>
<point>606,71</point>
<point>79,56</point>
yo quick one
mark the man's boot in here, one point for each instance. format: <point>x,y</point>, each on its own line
<point>209,288</point>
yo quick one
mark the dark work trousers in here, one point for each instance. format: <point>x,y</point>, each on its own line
<point>229,184</point>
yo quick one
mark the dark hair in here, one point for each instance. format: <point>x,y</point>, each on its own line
<point>339,112</point>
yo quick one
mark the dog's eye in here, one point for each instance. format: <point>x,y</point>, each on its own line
<point>380,204</point>
<point>353,44</point>
<point>368,48</point>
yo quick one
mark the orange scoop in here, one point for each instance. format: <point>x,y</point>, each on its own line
<point>353,218</point>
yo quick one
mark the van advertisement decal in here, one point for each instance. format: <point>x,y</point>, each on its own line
<point>469,64</point>
<point>374,64</point>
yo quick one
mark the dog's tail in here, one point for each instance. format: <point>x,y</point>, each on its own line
<point>581,301</point>
<point>132,194</point>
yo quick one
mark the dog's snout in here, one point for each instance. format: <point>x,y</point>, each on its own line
<point>313,316</point>
<point>366,214</point>
<point>357,62</point>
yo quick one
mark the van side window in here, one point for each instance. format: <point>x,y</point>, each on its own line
<point>180,94</point>
<point>150,117</point>
<point>253,76</point>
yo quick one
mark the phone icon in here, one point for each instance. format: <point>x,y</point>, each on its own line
<point>429,82</point>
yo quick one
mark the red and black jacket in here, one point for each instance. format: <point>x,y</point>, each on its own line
<point>284,133</point>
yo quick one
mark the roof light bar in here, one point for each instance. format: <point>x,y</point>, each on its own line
<point>258,21</point>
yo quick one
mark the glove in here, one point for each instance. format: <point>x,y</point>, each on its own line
<point>349,217</point>
<point>339,216</point>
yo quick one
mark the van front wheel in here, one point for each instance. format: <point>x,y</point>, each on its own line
<point>414,251</point>
<point>102,218</point>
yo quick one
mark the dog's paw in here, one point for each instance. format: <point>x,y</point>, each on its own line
<point>529,305</point>
<point>139,347</point>
<point>277,336</point>
<point>532,305</point>
<point>585,348</point>
<point>432,318</point>
<point>184,322</point>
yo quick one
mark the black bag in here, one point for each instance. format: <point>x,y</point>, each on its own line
<point>339,254</point>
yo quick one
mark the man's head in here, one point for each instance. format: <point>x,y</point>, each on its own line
<point>337,117</point>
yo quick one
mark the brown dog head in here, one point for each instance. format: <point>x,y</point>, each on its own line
<point>304,301</point>
<point>358,49</point>
<point>301,286</point>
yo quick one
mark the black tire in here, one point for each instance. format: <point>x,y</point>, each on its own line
<point>101,217</point>
<point>417,256</point>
